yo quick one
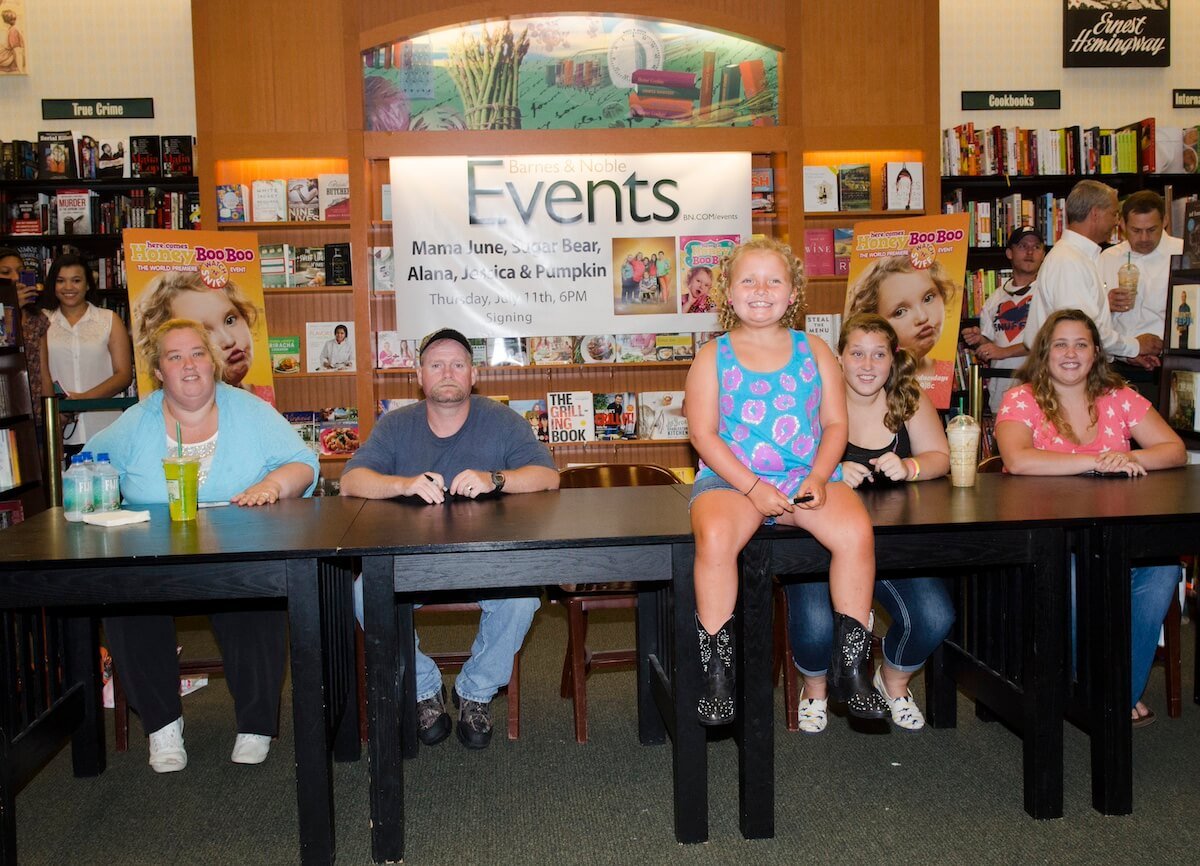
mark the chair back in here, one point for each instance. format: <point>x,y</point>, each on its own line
<point>995,463</point>
<point>615,475</point>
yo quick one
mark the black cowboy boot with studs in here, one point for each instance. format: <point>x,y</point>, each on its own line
<point>849,670</point>
<point>716,663</point>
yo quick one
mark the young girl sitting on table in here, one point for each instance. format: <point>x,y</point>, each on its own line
<point>895,437</point>
<point>766,408</point>
<point>1071,414</point>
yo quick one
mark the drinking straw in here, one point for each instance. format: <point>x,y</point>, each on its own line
<point>178,439</point>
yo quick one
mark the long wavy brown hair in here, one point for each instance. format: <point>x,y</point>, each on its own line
<point>901,390</point>
<point>1101,379</point>
<point>726,318</point>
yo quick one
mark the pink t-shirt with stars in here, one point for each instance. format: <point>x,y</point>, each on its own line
<point>1117,413</point>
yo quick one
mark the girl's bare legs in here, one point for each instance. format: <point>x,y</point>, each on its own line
<point>722,522</point>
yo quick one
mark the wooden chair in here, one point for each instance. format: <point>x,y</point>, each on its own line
<point>1168,654</point>
<point>453,661</point>
<point>579,599</point>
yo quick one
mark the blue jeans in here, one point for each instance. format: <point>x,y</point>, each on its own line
<point>921,611</point>
<point>503,623</point>
<point>1151,588</point>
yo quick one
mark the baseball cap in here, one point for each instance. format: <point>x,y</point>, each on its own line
<point>443,334</point>
<point>1020,235</point>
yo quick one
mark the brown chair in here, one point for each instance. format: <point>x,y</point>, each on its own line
<point>579,599</point>
<point>453,661</point>
<point>1168,654</point>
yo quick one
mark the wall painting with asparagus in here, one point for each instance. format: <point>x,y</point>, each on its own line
<point>569,72</point>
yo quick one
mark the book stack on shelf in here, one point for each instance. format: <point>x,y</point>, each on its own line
<point>395,352</point>
<point>579,417</point>
<point>323,198</point>
<point>330,432</point>
<point>993,221</point>
<point>71,155</point>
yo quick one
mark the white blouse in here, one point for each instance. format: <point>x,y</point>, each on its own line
<point>79,360</point>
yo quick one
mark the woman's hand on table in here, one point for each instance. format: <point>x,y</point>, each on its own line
<point>891,466</point>
<point>854,474</point>
<point>263,493</point>
<point>1119,461</point>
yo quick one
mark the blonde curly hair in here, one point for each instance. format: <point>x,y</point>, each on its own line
<point>154,307</point>
<point>726,317</point>
<point>863,296</point>
<point>902,391</point>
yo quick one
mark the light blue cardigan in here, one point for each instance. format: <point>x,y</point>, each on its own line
<point>253,440</point>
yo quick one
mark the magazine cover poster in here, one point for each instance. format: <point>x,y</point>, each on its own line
<point>211,277</point>
<point>910,271</point>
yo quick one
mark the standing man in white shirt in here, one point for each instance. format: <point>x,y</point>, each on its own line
<point>1070,276</point>
<point>1148,247</point>
<point>998,339</point>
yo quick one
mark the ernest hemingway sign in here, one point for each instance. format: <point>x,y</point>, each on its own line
<point>1116,33</point>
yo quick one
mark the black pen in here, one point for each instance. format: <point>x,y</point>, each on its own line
<point>430,478</point>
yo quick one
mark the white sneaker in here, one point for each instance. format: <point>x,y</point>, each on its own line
<point>905,713</point>
<point>167,754</point>
<point>250,748</point>
<point>814,714</point>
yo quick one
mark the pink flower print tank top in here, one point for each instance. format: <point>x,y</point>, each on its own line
<point>771,421</point>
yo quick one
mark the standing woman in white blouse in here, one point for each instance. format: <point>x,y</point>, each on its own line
<point>91,357</point>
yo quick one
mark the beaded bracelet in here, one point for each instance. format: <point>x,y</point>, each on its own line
<point>752,486</point>
<point>916,469</point>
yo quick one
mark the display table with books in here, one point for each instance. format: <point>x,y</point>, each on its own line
<point>284,551</point>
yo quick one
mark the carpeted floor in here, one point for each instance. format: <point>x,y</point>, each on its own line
<point>948,796</point>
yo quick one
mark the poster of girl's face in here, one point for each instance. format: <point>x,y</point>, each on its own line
<point>14,50</point>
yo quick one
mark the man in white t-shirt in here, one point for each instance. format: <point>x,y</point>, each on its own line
<point>1148,247</point>
<point>997,341</point>
<point>1070,277</point>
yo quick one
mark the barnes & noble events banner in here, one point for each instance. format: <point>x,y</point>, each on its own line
<point>552,245</point>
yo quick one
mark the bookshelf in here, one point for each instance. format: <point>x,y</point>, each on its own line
<point>835,94</point>
<point>20,457</point>
<point>115,204</point>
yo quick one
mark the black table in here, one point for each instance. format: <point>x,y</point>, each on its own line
<point>571,536</point>
<point>1142,518</point>
<point>228,553</point>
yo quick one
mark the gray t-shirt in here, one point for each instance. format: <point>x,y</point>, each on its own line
<point>494,438</point>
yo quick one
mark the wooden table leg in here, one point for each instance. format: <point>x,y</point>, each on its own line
<point>1044,689</point>
<point>314,763</point>
<point>941,692</point>
<point>651,643</point>
<point>83,667</point>
<point>1106,570</point>
<point>690,744</point>
<point>385,668</point>
<point>756,692</point>
<point>342,661</point>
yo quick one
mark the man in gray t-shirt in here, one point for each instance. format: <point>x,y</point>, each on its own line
<point>454,443</point>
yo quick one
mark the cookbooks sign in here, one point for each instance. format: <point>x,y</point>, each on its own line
<point>561,245</point>
<point>1116,33</point>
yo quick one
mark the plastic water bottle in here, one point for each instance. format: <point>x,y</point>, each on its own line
<point>77,490</point>
<point>106,484</point>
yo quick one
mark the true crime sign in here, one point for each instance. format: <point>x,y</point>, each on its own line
<point>97,109</point>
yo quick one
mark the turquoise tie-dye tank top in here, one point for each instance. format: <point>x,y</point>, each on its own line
<point>771,421</point>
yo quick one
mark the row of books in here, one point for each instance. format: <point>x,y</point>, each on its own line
<point>572,417</point>
<point>979,286</point>
<point>324,352</point>
<point>1071,150</point>
<point>10,462</point>
<point>288,266</point>
<point>71,155</point>
<point>86,211</point>
<point>827,252</point>
<point>395,352</point>
<point>830,188</point>
<point>11,337</point>
<point>299,199</point>
<point>991,222</point>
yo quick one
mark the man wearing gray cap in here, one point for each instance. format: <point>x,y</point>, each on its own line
<point>454,443</point>
<point>998,339</point>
